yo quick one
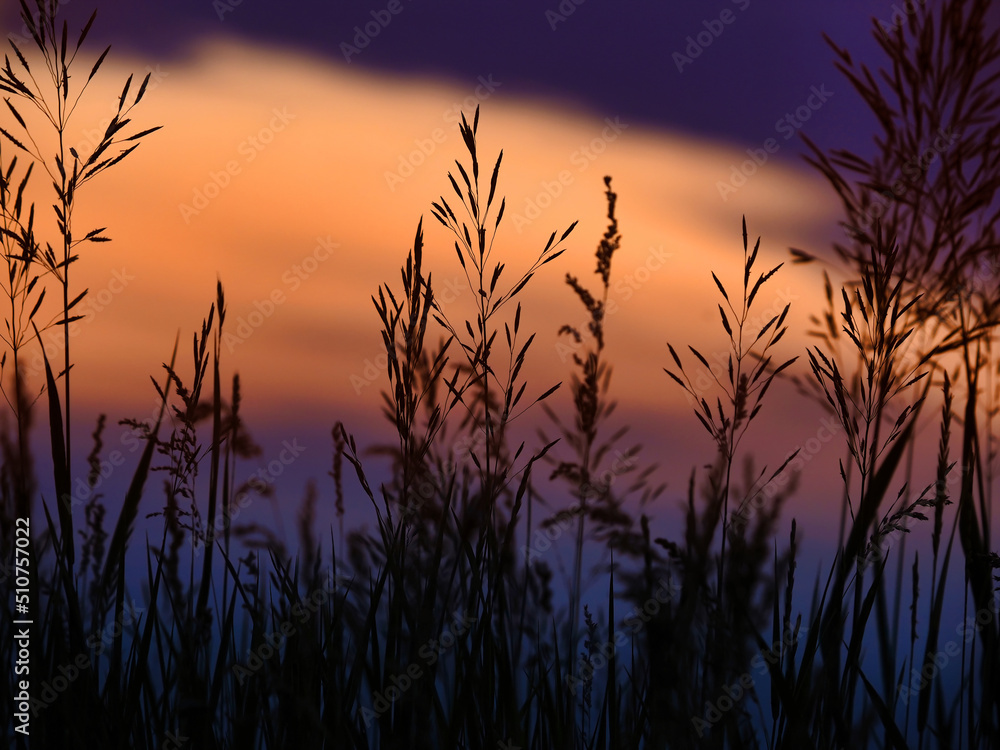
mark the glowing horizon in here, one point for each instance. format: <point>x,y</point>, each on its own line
<point>301,211</point>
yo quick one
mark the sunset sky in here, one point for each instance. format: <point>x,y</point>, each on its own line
<point>302,143</point>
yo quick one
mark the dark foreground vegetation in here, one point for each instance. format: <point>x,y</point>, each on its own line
<point>444,628</point>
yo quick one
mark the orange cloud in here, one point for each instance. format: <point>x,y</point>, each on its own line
<point>299,182</point>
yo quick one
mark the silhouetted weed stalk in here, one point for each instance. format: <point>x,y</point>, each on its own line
<point>922,223</point>
<point>432,631</point>
<point>42,90</point>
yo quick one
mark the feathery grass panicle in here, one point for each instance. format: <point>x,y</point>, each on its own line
<point>750,374</point>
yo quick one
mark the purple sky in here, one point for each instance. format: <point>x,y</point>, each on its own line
<point>614,58</point>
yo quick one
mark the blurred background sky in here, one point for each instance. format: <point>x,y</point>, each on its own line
<point>302,142</point>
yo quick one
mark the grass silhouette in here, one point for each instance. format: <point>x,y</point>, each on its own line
<point>448,634</point>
